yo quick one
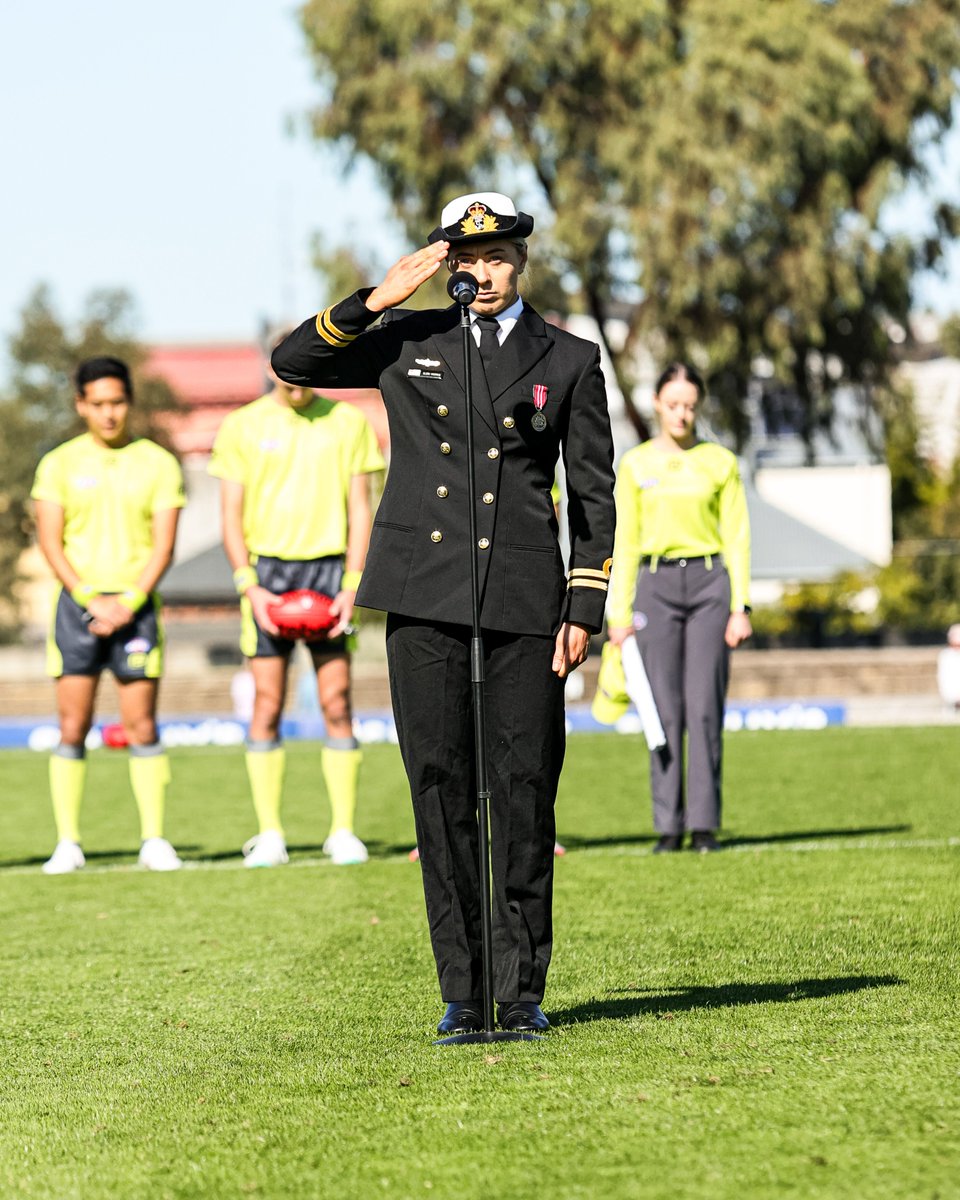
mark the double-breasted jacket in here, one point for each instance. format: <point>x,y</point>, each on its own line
<point>417,564</point>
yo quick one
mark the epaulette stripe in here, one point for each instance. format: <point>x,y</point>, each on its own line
<point>587,583</point>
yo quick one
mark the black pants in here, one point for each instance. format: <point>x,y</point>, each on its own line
<point>429,669</point>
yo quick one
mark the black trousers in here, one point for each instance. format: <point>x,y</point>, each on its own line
<point>429,668</point>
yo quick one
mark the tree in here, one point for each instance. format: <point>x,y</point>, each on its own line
<point>713,172</point>
<point>37,413</point>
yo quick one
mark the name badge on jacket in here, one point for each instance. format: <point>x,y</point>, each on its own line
<point>425,368</point>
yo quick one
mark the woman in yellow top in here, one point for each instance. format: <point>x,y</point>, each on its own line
<point>681,573</point>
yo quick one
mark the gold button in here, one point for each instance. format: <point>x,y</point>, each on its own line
<point>436,536</point>
<point>442,492</point>
<point>508,422</point>
<point>442,410</point>
<point>484,543</point>
<point>444,447</point>
<point>493,452</point>
<point>488,497</point>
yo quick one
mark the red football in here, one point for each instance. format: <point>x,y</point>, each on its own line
<point>303,614</point>
<point>114,736</point>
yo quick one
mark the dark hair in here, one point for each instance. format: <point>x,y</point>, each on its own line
<point>103,367</point>
<point>680,370</point>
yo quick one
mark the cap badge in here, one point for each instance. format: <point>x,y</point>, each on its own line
<point>479,219</point>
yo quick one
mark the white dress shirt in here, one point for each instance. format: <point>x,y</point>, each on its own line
<point>506,320</point>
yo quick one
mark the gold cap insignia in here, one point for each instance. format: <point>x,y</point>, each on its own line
<point>479,219</point>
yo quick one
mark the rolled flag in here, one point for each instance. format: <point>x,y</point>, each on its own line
<point>638,689</point>
<point>617,687</point>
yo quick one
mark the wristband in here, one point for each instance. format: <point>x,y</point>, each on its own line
<point>350,581</point>
<point>245,578</point>
<point>83,593</point>
<point>133,598</point>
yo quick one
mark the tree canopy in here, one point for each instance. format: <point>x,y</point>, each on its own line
<point>37,412</point>
<point>713,172</point>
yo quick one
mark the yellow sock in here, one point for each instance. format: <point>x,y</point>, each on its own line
<point>265,768</point>
<point>341,770</point>
<point>67,776</point>
<point>149,776</point>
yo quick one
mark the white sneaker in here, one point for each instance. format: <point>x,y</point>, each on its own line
<point>156,854</point>
<point>66,857</point>
<point>345,848</point>
<point>265,850</point>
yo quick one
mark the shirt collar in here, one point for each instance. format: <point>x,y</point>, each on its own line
<point>508,318</point>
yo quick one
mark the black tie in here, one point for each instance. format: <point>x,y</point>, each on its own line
<point>489,342</point>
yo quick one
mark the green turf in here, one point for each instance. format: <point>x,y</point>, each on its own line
<point>777,1020</point>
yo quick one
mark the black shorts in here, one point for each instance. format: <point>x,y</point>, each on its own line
<point>281,575</point>
<point>133,652</point>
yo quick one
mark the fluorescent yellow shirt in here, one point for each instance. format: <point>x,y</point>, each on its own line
<point>109,498</point>
<point>295,467</point>
<point>678,505</point>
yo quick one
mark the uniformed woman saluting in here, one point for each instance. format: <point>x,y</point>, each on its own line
<point>681,573</point>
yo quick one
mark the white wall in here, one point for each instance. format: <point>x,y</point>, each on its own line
<point>936,390</point>
<point>849,504</point>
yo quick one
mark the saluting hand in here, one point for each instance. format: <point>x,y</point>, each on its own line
<point>406,275</point>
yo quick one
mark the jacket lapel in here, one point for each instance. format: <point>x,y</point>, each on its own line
<point>449,346</point>
<point>525,345</point>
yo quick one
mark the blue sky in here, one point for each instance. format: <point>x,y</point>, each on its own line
<point>147,146</point>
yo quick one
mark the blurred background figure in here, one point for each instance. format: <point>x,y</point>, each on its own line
<point>948,669</point>
<point>107,507</point>
<point>295,473</point>
<point>681,570</point>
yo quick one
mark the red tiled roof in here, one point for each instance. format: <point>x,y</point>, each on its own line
<point>212,380</point>
<point>228,374</point>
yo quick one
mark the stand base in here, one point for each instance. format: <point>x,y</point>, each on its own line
<point>488,1035</point>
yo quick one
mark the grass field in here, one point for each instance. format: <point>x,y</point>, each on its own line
<point>777,1020</point>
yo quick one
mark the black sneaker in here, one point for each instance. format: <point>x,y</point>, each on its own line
<point>668,842</point>
<point>703,842</point>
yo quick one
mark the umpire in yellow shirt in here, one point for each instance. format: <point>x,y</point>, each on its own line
<point>681,574</point>
<point>538,392</point>
<point>295,499</point>
<point>107,506</point>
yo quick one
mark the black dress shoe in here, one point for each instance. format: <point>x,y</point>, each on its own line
<point>462,1016</point>
<point>668,842</point>
<point>521,1016</point>
<point>704,842</point>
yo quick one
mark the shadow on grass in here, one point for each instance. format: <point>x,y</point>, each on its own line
<point>125,857</point>
<point>393,849</point>
<point>813,834</point>
<point>638,1002</point>
<point>572,842</point>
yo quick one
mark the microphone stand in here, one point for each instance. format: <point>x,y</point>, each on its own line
<point>489,1033</point>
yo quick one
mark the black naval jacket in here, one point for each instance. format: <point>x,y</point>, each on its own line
<point>416,564</point>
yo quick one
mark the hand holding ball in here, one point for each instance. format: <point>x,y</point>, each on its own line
<point>303,614</point>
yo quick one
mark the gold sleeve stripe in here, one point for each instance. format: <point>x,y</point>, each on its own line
<point>601,586</point>
<point>330,333</point>
<point>587,573</point>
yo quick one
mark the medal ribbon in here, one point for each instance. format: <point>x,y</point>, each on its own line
<point>539,396</point>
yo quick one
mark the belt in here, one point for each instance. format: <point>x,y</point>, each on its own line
<point>658,560</point>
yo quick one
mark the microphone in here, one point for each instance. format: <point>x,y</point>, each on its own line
<point>462,287</point>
